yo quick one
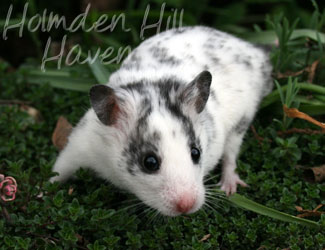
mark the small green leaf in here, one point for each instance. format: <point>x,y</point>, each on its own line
<point>58,198</point>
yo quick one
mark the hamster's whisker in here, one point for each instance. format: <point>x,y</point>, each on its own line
<point>214,187</point>
<point>133,205</point>
<point>153,217</point>
<point>210,206</point>
<point>204,209</point>
<point>211,185</point>
<point>159,218</point>
<point>213,199</point>
<point>216,202</point>
<point>145,212</point>
<point>212,202</point>
<point>137,206</point>
<point>216,194</point>
<point>210,178</point>
<point>129,200</point>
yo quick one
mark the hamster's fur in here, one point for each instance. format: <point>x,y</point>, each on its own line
<point>185,88</point>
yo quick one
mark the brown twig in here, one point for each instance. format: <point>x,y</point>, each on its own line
<point>309,213</point>
<point>14,102</point>
<point>318,207</point>
<point>205,237</point>
<point>289,73</point>
<point>46,238</point>
<point>306,131</point>
<point>310,69</point>
<point>257,137</point>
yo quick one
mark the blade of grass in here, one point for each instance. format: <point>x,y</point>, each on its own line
<point>312,109</point>
<point>274,95</point>
<point>250,205</point>
<point>100,72</point>
<point>320,97</point>
<point>269,36</point>
<point>59,79</point>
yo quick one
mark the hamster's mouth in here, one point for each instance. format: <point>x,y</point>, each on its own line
<point>174,213</point>
<point>174,210</point>
<point>174,204</point>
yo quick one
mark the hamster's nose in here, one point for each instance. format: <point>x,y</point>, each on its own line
<point>185,203</point>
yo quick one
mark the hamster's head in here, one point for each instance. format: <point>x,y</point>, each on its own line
<point>159,137</point>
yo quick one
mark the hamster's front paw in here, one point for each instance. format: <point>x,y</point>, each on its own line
<point>229,183</point>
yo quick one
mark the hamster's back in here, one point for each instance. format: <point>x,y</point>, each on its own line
<point>241,72</point>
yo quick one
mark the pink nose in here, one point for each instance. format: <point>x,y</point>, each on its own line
<point>185,203</point>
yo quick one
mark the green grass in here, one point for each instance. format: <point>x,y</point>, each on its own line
<point>88,213</point>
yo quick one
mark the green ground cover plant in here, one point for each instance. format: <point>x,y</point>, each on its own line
<point>89,213</point>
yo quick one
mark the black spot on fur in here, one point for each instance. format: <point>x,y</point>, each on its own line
<point>162,56</point>
<point>242,125</point>
<point>209,46</point>
<point>205,67</point>
<point>210,43</point>
<point>244,59</point>
<point>220,46</point>
<point>133,63</point>
<point>213,95</point>
<point>141,142</point>
<point>174,107</point>
<point>190,58</point>
<point>215,60</point>
<point>138,87</point>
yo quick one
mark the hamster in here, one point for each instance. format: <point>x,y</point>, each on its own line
<point>181,101</point>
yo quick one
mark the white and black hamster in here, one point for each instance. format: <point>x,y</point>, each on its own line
<point>181,101</point>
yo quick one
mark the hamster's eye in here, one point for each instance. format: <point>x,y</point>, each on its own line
<point>195,153</point>
<point>151,163</point>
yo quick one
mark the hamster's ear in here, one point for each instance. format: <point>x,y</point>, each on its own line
<point>105,104</point>
<point>197,92</point>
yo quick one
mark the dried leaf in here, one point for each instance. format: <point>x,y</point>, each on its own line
<point>318,207</point>
<point>312,70</point>
<point>205,237</point>
<point>79,237</point>
<point>295,113</point>
<point>309,213</point>
<point>315,174</point>
<point>23,106</point>
<point>289,73</point>
<point>32,112</point>
<point>61,133</point>
<point>299,209</point>
<point>70,191</point>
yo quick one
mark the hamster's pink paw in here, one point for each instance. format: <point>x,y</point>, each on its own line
<point>229,183</point>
